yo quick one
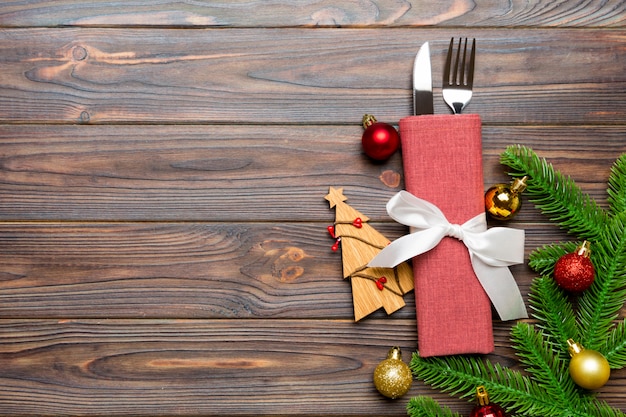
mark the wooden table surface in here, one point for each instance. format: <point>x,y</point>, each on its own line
<point>163,167</point>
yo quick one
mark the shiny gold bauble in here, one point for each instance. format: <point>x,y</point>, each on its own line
<point>588,368</point>
<point>502,201</point>
<point>393,377</point>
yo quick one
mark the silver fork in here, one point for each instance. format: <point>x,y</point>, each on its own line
<point>457,87</point>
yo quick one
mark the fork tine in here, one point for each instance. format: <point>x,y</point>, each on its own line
<point>446,68</point>
<point>470,75</point>
<point>456,64</point>
<point>462,66</point>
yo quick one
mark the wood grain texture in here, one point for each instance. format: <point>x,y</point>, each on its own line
<point>165,270</point>
<point>163,166</point>
<point>124,367</point>
<point>188,270</point>
<point>223,173</point>
<point>316,13</point>
<point>165,367</point>
<point>300,76</point>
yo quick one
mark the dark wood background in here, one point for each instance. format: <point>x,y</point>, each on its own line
<point>163,166</point>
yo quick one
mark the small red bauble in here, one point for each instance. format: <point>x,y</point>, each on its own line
<point>380,140</point>
<point>574,271</point>
<point>484,408</point>
<point>491,410</point>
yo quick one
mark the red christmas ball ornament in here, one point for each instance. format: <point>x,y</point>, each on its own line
<point>574,271</point>
<point>484,408</point>
<point>380,140</point>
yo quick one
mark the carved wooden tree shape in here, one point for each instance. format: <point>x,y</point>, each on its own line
<point>372,288</point>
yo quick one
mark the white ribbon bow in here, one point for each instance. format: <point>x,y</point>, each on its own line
<point>491,251</point>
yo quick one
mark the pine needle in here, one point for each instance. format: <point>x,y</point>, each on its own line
<point>549,370</point>
<point>542,260</point>
<point>427,407</point>
<point>615,346</point>
<point>600,305</point>
<point>554,313</point>
<point>617,188</point>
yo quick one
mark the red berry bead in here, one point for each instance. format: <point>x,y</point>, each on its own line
<point>380,283</point>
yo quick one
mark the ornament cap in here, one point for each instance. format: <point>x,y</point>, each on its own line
<point>584,249</point>
<point>482,395</point>
<point>574,348</point>
<point>518,185</point>
<point>395,353</point>
<point>368,120</point>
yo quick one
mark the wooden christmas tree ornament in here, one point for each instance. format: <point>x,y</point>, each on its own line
<point>372,288</point>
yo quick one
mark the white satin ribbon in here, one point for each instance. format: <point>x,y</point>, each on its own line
<point>491,251</point>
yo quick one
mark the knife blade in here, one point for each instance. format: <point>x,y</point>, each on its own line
<point>422,82</point>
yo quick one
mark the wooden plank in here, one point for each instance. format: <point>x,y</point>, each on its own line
<point>300,76</point>
<point>204,367</point>
<point>244,173</point>
<point>138,367</point>
<point>189,270</point>
<point>314,13</point>
<point>170,270</point>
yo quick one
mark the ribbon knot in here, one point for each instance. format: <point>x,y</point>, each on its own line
<point>491,251</point>
<point>456,231</point>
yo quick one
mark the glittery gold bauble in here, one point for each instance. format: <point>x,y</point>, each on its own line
<point>393,377</point>
<point>502,201</point>
<point>588,368</point>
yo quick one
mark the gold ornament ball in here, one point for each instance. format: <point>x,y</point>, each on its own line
<point>393,377</point>
<point>588,368</point>
<point>502,201</point>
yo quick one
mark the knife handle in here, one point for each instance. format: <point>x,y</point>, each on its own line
<point>423,102</point>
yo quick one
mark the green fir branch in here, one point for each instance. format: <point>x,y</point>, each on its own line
<point>554,313</point>
<point>601,408</point>
<point>615,346</point>
<point>598,408</point>
<point>617,186</point>
<point>427,407</point>
<point>542,259</point>
<point>549,370</point>
<point>460,375</point>
<point>600,305</point>
<point>557,196</point>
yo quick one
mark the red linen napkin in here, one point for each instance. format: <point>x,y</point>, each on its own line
<point>442,156</point>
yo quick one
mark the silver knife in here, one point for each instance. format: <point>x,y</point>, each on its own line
<point>422,82</point>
